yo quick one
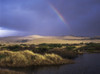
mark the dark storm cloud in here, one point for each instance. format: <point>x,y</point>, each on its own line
<point>36,16</point>
<point>30,16</point>
<point>83,15</point>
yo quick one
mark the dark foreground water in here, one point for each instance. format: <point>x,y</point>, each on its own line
<point>85,64</point>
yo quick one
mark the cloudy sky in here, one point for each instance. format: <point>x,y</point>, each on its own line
<point>37,17</point>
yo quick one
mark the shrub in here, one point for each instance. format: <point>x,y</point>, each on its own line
<point>43,49</point>
<point>63,53</point>
<point>90,47</point>
<point>70,48</point>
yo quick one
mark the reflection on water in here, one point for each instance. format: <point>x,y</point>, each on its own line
<point>85,64</point>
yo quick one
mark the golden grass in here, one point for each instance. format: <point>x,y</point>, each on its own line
<point>28,58</point>
<point>5,71</point>
<point>37,39</point>
<point>59,41</point>
<point>51,41</point>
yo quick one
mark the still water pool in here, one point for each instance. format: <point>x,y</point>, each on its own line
<point>85,64</point>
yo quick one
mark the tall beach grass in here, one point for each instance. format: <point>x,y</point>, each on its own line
<point>29,58</point>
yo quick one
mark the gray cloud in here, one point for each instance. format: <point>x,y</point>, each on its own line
<point>83,15</point>
<point>36,17</point>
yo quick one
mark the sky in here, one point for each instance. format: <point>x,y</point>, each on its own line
<point>49,17</point>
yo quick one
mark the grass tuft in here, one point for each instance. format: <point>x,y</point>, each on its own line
<point>29,58</point>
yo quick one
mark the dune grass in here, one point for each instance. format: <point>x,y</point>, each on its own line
<point>29,58</point>
<point>5,71</point>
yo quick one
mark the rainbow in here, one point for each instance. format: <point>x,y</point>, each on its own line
<point>60,16</point>
<point>58,13</point>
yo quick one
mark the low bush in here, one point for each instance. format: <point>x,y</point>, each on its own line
<point>70,48</point>
<point>64,53</point>
<point>90,47</point>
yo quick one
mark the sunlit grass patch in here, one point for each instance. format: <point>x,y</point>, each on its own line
<point>28,58</point>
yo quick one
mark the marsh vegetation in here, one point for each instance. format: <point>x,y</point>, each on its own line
<point>22,55</point>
